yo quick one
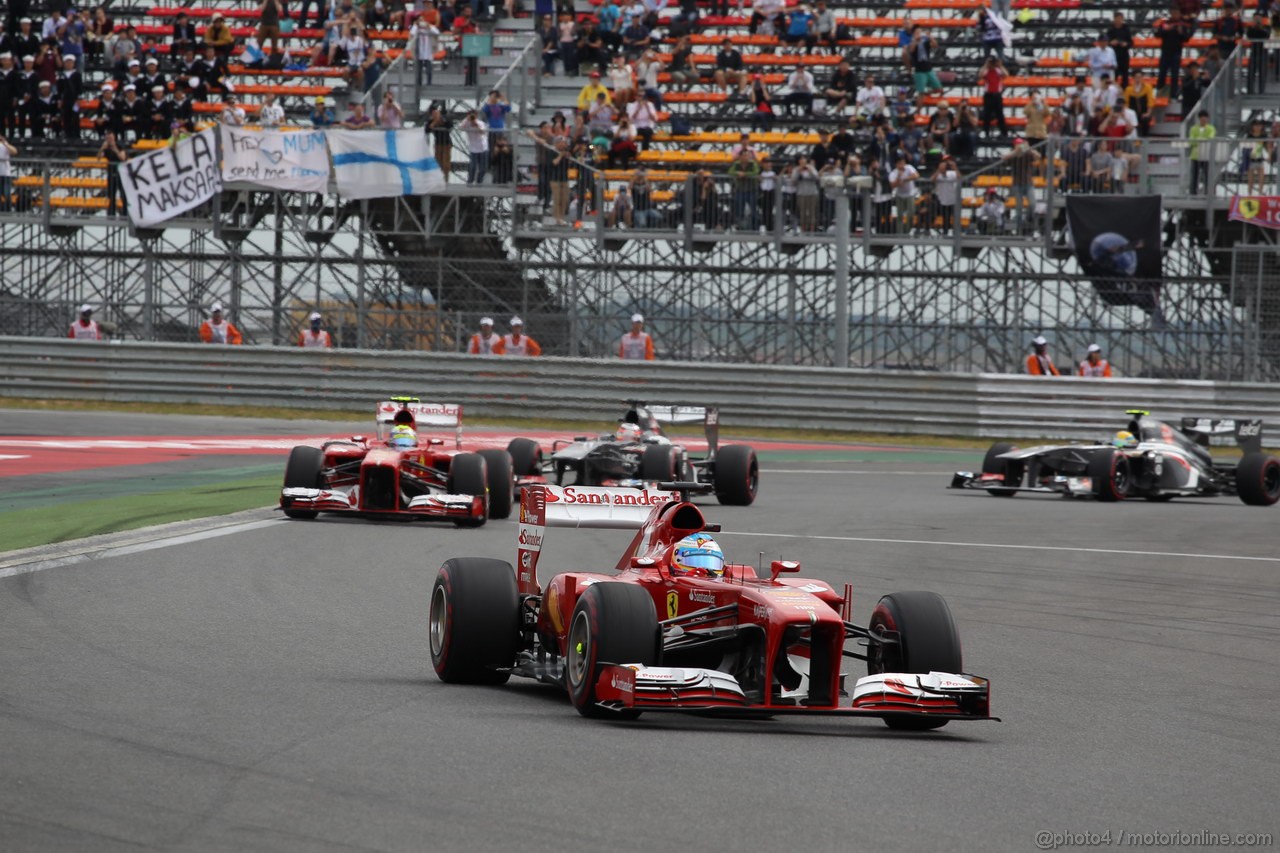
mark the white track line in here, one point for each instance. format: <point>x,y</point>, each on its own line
<point>1004,546</point>
<point>851,471</point>
<point>104,552</point>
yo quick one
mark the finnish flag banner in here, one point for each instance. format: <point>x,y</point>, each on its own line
<point>382,163</point>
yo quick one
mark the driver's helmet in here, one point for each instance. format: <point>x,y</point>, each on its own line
<point>627,432</point>
<point>697,555</point>
<point>1124,438</point>
<point>403,436</point>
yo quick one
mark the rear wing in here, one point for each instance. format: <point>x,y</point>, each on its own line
<point>543,506</point>
<point>1248,434</point>
<point>708,415</point>
<point>423,415</point>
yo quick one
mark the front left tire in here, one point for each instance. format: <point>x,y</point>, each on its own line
<point>302,471</point>
<point>927,642</point>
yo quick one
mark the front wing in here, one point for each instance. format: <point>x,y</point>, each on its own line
<point>1060,484</point>
<point>424,506</point>
<point>938,695</point>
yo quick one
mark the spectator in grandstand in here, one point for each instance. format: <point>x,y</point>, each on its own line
<point>1140,97</point>
<point>106,116</point>
<point>870,100</point>
<point>800,90</point>
<point>322,114</point>
<point>218,36</point>
<point>48,60</point>
<point>807,188</point>
<point>1107,95</point>
<point>730,68</point>
<point>622,149</point>
<point>355,46</point>
<point>57,18</point>
<point>151,76</point>
<point>567,48</point>
<point>440,128</point>
<point>131,117</point>
<point>1039,363</point>
<point>218,329</point>
<point>1094,364</point>
<point>7,151</point>
<point>825,28</point>
<point>315,337</point>
<point>706,201</point>
<point>233,114</point>
<point>269,14</point>
<point>801,28</point>
<point>213,71</point>
<point>85,328</point>
<point>1075,158</point>
<point>160,113</point>
<point>621,82</point>
<point>841,88</point>
<point>1101,59</point>
<point>518,343</point>
<point>24,41</point>
<point>100,29</point>
<point>964,140</point>
<point>390,113</point>
<point>768,194</point>
<point>1024,164</point>
<point>358,120</point>
<point>424,40</point>
<point>183,108</point>
<point>764,17</point>
<point>745,172</point>
<point>636,39</point>
<point>991,33</point>
<point>647,69</point>
<point>70,88</point>
<point>991,78</point>
<point>1212,61</point>
<point>681,68</point>
<point>1256,35</point>
<point>946,192</point>
<point>1258,151</point>
<point>918,57</point>
<point>643,212</point>
<point>502,162</point>
<point>549,38</point>
<point>1173,31</point>
<point>272,114</point>
<point>600,118</point>
<point>903,180</point>
<point>991,214</point>
<point>1037,115</point>
<point>1228,29</point>
<point>372,69</point>
<point>1120,39</point>
<point>70,42</point>
<point>184,34</point>
<point>636,345</point>
<point>761,105</point>
<point>590,94</point>
<point>1100,169</point>
<point>485,341</point>
<point>477,147</point>
<point>644,118</point>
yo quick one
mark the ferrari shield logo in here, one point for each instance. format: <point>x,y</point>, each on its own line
<point>1249,207</point>
<point>673,604</point>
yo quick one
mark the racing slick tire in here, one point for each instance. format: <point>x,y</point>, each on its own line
<point>526,457</point>
<point>473,621</point>
<point>658,463</point>
<point>737,475</point>
<point>501,482</point>
<point>302,471</point>
<point>927,642</point>
<point>467,476</point>
<point>1109,471</point>
<point>1258,479</point>
<point>1010,470</point>
<point>613,623</point>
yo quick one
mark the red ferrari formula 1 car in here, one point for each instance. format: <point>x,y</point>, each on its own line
<point>742,643</point>
<point>400,473</point>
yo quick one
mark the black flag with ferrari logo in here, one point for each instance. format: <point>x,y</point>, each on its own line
<point>1117,242</point>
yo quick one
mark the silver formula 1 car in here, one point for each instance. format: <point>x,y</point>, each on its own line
<point>1148,459</point>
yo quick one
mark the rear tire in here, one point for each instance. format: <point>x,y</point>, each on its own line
<point>613,623</point>
<point>737,476</point>
<point>526,457</point>
<point>658,464</point>
<point>1007,468</point>
<point>467,476</point>
<point>1258,479</point>
<point>1109,471</point>
<point>473,621</point>
<point>302,471</point>
<point>501,482</point>
<point>928,642</point>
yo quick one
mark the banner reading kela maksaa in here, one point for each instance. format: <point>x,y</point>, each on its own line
<point>171,180</point>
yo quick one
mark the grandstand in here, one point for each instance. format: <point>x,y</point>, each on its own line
<point>498,246</point>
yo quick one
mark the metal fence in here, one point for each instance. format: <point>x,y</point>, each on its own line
<point>583,389</point>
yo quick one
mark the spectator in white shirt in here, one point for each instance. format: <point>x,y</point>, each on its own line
<point>903,180</point>
<point>870,99</point>
<point>1101,59</point>
<point>644,118</point>
<point>271,114</point>
<point>390,113</point>
<point>800,84</point>
<point>233,114</point>
<point>423,39</point>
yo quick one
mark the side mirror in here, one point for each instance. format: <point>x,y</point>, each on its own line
<point>778,567</point>
<point>643,562</point>
<point>358,438</point>
<point>435,442</point>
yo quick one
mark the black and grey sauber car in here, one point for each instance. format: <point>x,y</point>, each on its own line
<point>1148,459</point>
<point>638,453</point>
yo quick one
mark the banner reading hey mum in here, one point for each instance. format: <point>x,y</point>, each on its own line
<point>171,180</point>
<point>296,161</point>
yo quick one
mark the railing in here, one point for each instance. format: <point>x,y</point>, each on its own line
<point>897,402</point>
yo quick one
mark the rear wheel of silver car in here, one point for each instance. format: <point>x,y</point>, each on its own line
<point>526,457</point>
<point>658,463</point>
<point>927,641</point>
<point>468,476</point>
<point>737,475</point>
<point>473,621</point>
<point>1258,479</point>
<point>613,623</point>
<point>302,471</point>
<point>1110,475</point>
<point>1010,470</point>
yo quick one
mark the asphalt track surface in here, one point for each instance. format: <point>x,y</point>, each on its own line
<point>271,689</point>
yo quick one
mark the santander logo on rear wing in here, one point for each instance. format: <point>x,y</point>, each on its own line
<point>543,506</point>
